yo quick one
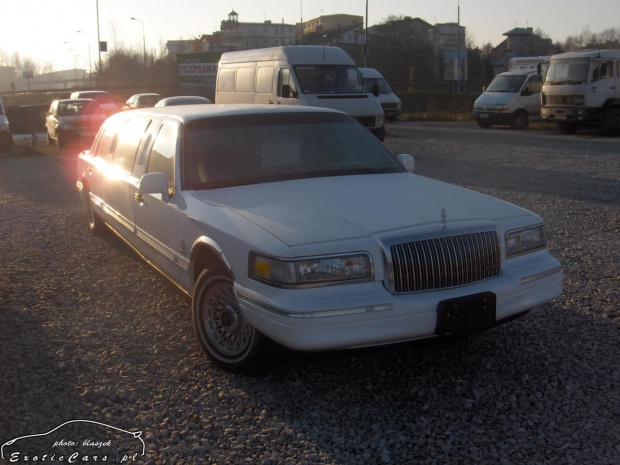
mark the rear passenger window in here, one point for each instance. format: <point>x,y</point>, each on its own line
<point>264,80</point>
<point>226,80</point>
<point>162,153</point>
<point>245,80</point>
<point>129,139</point>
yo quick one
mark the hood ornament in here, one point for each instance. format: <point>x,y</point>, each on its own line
<point>443,218</point>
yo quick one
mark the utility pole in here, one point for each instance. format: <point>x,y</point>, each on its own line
<point>366,38</point>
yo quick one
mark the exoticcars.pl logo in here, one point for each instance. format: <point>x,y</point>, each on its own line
<point>76,441</point>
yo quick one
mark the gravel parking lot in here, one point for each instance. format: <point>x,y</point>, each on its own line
<point>89,331</point>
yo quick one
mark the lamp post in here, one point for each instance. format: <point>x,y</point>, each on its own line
<point>366,38</point>
<point>143,44</point>
<point>90,65</point>
<point>71,49</point>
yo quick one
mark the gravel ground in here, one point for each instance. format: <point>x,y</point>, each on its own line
<point>89,331</point>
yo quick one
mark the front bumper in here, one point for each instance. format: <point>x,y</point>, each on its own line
<point>366,314</point>
<point>569,114</point>
<point>492,117</point>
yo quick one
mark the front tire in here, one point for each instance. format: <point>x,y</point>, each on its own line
<point>225,335</point>
<point>611,123</point>
<point>519,121</point>
<point>95,222</point>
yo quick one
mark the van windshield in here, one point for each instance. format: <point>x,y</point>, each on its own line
<point>384,87</point>
<point>568,71</point>
<point>506,83</point>
<point>241,150</point>
<point>329,79</point>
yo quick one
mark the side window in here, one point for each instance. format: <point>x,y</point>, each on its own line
<point>535,85</point>
<point>164,148</point>
<point>603,69</point>
<point>284,79</point>
<point>129,139</point>
<point>226,80</point>
<point>245,80</point>
<point>103,145</point>
<point>264,79</point>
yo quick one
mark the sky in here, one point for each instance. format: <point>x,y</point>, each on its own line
<point>46,31</point>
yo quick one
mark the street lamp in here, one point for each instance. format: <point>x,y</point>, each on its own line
<point>143,42</point>
<point>90,65</point>
<point>71,49</point>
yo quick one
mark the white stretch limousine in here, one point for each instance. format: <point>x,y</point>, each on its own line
<point>297,225</point>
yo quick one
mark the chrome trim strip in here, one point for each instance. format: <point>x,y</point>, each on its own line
<point>541,275</point>
<point>318,314</point>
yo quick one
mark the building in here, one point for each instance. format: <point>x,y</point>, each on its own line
<point>521,42</point>
<point>451,48</point>
<point>245,36</point>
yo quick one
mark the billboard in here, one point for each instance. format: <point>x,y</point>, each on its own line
<point>197,73</point>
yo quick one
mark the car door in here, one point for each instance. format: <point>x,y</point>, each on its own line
<point>532,90</point>
<point>121,180</point>
<point>603,82</point>
<point>159,223</point>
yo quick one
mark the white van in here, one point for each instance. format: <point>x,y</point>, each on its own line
<point>387,98</point>
<point>6,139</point>
<point>513,97</point>
<point>308,75</point>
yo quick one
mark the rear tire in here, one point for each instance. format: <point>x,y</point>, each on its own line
<point>611,123</point>
<point>225,335</point>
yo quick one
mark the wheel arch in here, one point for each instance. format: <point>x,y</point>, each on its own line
<point>207,254</point>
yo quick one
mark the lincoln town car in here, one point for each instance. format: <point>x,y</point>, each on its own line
<point>295,225</point>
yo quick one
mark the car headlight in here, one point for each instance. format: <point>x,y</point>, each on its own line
<point>525,240</point>
<point>311,270</point>
<point>380,120</point>
<point>502,108</point>
<point>3,128</point>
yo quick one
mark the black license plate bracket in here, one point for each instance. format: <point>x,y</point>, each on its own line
<point>466,314</point>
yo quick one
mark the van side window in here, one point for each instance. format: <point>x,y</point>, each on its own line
<point>226,80</point>
<point>129,139</point>
<point>534,85</point>
<point>162,153</point>
<point>284,79</point>
<point>245,80</point>
<point>264,80</point>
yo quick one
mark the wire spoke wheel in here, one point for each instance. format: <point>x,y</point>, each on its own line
<point>224,321</point>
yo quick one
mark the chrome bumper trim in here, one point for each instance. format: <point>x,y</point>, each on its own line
<point>544,274</point>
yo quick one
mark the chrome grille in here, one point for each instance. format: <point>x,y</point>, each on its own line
<point>445,261</point>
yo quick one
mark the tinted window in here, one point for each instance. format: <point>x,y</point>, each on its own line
<point>129,138</point>
<point>252,149</point>
<point>162,153</point>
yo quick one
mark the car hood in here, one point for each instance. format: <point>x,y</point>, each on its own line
<point>494,98</point>
<point>335,208</point>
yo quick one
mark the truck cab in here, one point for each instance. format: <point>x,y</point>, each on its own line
<point>581,88</point>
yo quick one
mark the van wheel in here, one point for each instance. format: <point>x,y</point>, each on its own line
<point>225,336</point>
<point>519,120</point>
<point>567,128</point>
<point>611,123</point>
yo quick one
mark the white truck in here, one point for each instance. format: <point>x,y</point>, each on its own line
<point>581,88</point>
<point>306,75</point>
<point>513,97</point>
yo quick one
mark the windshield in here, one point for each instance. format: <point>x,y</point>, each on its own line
<point>384,87</point>
<point>504,83</point>
<point>568,71</point>
<point>329,79</point>
<point>251,149</point>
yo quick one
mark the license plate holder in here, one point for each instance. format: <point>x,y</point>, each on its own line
<point>466,314</point>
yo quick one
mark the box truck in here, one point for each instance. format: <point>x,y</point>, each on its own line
<point>299,75</point>
<point>581,88</point>
<point>513,97</point>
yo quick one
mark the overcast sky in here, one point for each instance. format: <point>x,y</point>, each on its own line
<point>46,30</point>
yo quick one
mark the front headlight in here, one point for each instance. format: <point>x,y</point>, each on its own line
<point>525,240</point>
<point>502,108</point>
<point>312,270</point>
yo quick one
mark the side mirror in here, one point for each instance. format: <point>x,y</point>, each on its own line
<point>153,183</point>
<point>407,161</point>
<point>375,90</point>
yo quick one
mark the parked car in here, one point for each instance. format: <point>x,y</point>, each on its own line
<point>6,138</point>
<point>296,224</point>
<point>387,98</point>
<point>141,101</point>
<point>73,119</point>
<point>101,97</point>
<point>182,100</point>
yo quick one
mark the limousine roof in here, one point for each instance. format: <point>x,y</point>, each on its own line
<point>186,113</point>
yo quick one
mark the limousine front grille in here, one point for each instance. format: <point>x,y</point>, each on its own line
<point>445,262</point>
